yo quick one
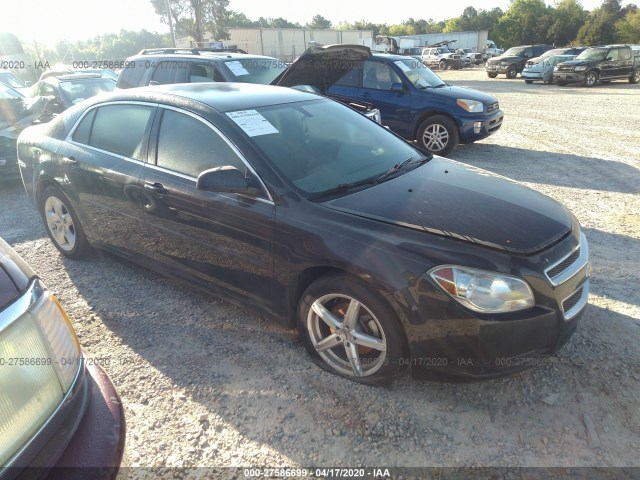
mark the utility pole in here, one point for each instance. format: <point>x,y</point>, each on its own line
<point>173,35</point>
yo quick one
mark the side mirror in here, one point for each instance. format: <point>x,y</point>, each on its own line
<point>225,179</point>
<point>397,87</point>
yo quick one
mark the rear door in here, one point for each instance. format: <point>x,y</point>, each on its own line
<point>220,240</point>
<point>103,160</point>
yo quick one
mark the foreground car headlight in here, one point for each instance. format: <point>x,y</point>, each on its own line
<point>471,105</point>
<point>580,69</point>
<point>39,360</point>
<point>482,291</point>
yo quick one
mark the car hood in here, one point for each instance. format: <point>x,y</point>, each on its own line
<point>450,199</point>
<point>454,92</point>
<point>576,63</point>
<point>323,66</point>
<point>503,58</point>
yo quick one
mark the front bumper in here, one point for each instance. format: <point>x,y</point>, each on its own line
<point>569,77</point>
<point>84,438</point>
<point>496,68</point>
<point>528,75</point>
<point>488,125</point>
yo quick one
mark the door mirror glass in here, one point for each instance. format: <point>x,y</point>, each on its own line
<point>225,179</point>
<point>397,87</point>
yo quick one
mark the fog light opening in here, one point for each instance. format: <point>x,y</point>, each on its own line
<point>477,127</point>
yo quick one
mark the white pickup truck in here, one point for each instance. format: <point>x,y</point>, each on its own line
<point>441,57</point>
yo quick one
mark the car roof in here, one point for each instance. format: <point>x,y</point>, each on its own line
<point>201,56</point>
<point>74,76</point>
<point>221,96</point>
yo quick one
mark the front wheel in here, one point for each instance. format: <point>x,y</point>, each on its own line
<point>528,82</point>
<point>492,75</point>
<point>438,134</point>
<point>512,72</point>
<point>591,79</point>
<point>635,76</point>
<point>62,223</point>
<point>349,331</point>
<point>442,65</point>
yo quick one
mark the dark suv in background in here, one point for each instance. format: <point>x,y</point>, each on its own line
<point>158,66</point>
<point>600,64</point>
<point>513,60</point>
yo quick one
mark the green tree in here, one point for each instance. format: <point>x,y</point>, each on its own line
<point>566,19</point>
<point>524,22</point>
<point>318,21</point>
<point>276,23</point>
<point>195,17</point>
<point>238,20</point>
<point>628,27</point>
<point>600,25</point>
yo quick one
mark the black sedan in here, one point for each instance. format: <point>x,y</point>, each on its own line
<point>56,409</point>
<point>384,256</point>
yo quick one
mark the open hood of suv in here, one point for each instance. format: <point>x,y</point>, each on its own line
<point>323,66</point>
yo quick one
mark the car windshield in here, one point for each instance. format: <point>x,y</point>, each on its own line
<point>255,70</point>
<point>514,52</point>
<point>419,75</point>
<point>321,146</point>
<point>593,54</point>
<point>75,91</point>
<point>556,59</point>
<point>10,79</point>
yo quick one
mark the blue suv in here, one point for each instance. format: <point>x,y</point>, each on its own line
<point>414,102</point>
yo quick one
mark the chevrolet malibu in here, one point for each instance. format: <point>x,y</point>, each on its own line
<point>56,409</point>
<point>382,255</point>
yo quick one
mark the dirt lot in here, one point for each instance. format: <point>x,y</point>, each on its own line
<point>207,384</point>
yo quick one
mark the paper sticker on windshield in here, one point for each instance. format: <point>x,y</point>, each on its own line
<point>252,123</point>
<point>236,68</point>
<point>403,66</point>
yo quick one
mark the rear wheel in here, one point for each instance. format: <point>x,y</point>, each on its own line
<point>62,223</point>
<point>438,134</point>
<point>635,76</point>
<point>591,78</point>
<point>349,331</point>
<point>512,72</point>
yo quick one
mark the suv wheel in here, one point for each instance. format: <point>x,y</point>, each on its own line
<point>492,75</point>
<point>442,65</point>
<point>635,76</point>
<point>438,134</point>
<point>512,72</point>
<point>591,78</point>
<point>528,82</point>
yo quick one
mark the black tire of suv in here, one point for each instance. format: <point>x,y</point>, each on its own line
<point>442,65</point>
<point>591,79</point>
<point>529,82</point>
<point>635,76</point>
<point>492,75</point>
<point>512,72</point>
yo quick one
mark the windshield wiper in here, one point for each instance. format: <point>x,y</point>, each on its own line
<point>401,165</point>
<point>344,187</point>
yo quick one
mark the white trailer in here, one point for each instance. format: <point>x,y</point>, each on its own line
<point>475,40</point>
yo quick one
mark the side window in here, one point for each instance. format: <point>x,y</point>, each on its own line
<point>120,129</point>
<point>625,53</point>
<point>613,54</point>
<point>170,72</point>
<point>379,76</point>
<point>528,52</point>
<point>188,146</point>
<point>82,133</point>
<point>200,72</point>
<point>131,76</point>
<point>351,78</point>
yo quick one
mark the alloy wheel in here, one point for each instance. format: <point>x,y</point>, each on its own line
<point>60,223</point>
<point>436,137</point>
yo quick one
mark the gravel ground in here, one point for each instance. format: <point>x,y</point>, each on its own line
<point>205,383</point>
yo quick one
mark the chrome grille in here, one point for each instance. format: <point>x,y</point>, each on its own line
<point>570,265</point>
<point>565,68</point>
<point>492,107</point>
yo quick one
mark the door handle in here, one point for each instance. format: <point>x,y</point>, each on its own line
<point>156,187</point>
<point>70,161</point>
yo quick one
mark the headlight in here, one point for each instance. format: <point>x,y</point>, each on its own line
<point>580,69</point>
<point>482,291</point>
<point>39,360</point>
<point>471,105</point>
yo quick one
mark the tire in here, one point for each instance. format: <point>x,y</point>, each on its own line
<point>438,134</point>
<point>492,75</point>
<point>591,79</point>
<point>512,72</point>
<point>442,65</point>
<point>62,223</point>
<point>528,82</point>
<point>368,349</point>
<point>635,76</point>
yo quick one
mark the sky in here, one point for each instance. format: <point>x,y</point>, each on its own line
<point>47,21</point>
